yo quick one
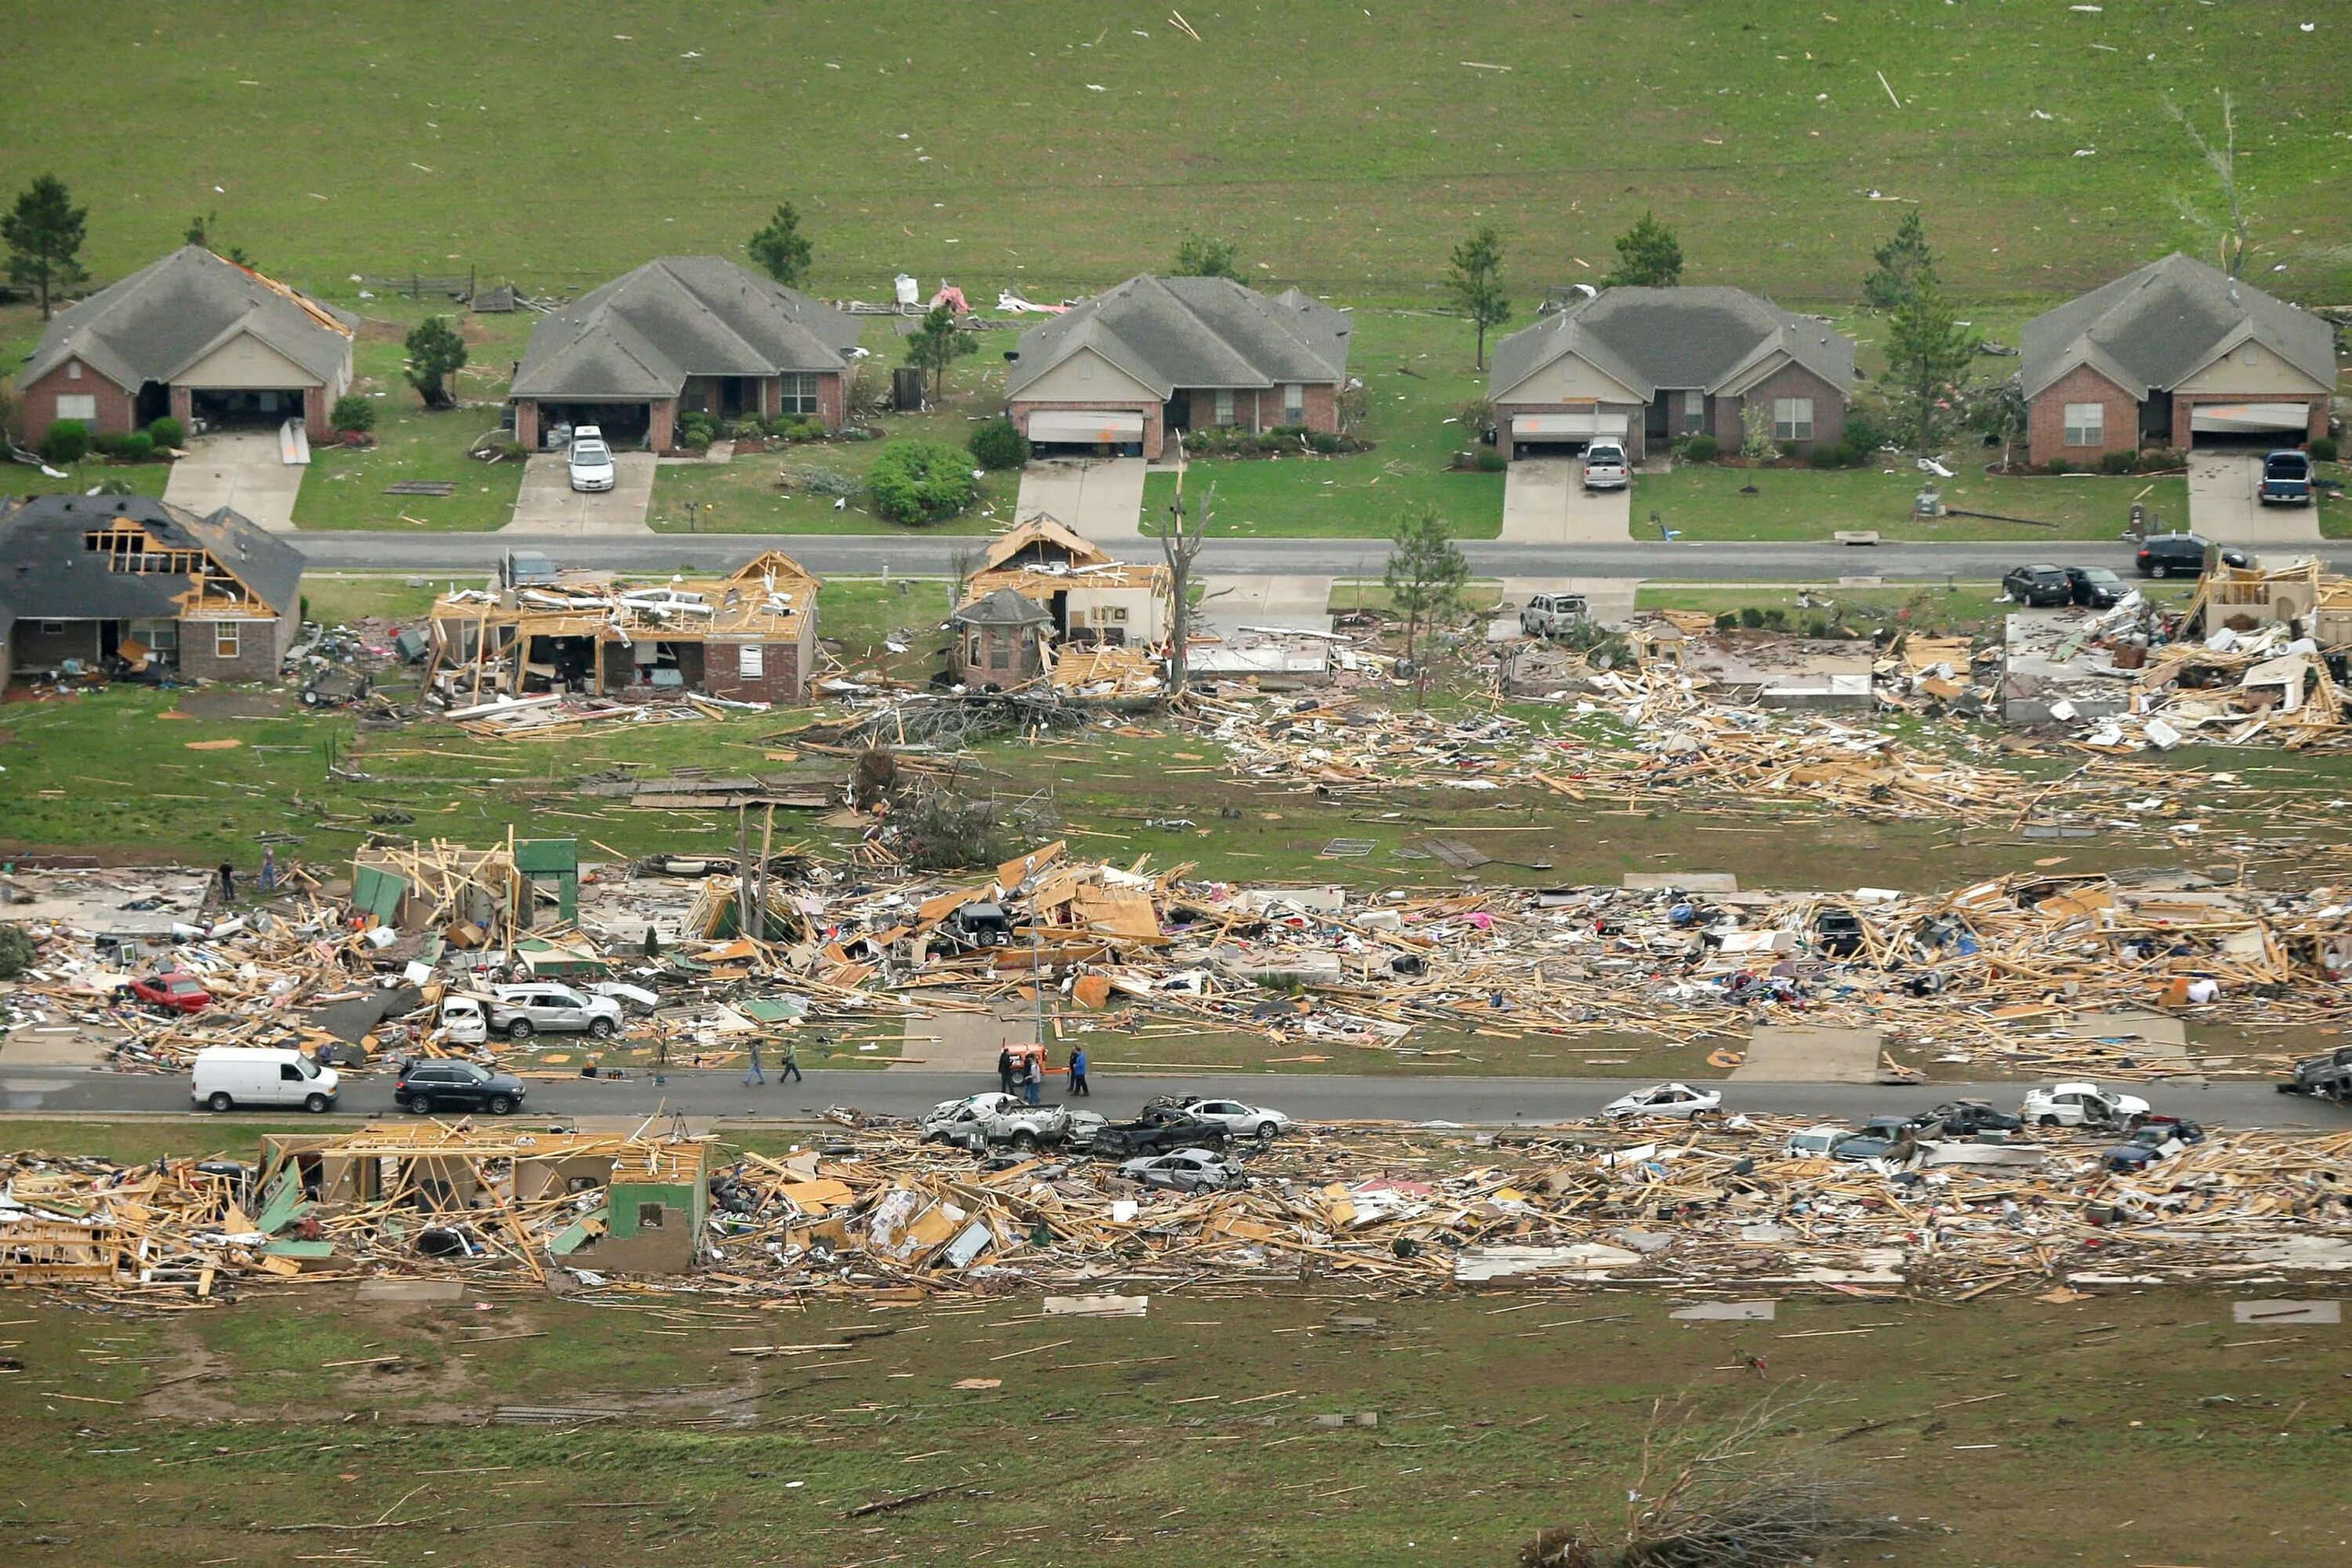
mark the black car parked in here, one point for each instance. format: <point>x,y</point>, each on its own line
<point>2096,586</point>
<point>1837,933</point>
<point>1160,1132</point>
<point>427,1087</point>
<point>2180,555</point>
<point>2038,585</point>
<point>1967,1118</point>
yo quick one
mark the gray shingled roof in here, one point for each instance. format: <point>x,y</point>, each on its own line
<point>1004,607</point>
<point>1170,332</point>
<point>642,335</point>
<point>1661,339</point>
<point>46,573</point>
<point>2150,330</point>
<point>165,317</point>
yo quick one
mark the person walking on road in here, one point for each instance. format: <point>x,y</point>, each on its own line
<point>791,1065</point>
<point>1078,1073</point>
<point>755,1075</point>
<point>1005,1069</point>
<point>1033,1078</point>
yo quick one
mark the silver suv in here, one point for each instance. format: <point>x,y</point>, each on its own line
<point>1605,467</point>
<point>520,1012</point>
<point>1551,615</point>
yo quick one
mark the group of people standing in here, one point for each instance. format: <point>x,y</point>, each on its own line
<point>1027,1074</point>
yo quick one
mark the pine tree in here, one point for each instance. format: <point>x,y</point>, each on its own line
<point>1903,262</point>
<point>1928,357</point>
<point>782,248</point>
<point>44,233</point>
<point>1648,257</point>
<point>1475,284</point>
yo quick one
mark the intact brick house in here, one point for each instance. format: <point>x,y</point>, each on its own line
<point>1156,354</point>
<point>1649,366</point>
<point>102,578</point>
<point>682,334</point>
<point>192,336</point>
<point>748,636</point>
<point>2176,355</point>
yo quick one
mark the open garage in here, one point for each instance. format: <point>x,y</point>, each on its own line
<point>1084,432</point>
<point>1562,435</point>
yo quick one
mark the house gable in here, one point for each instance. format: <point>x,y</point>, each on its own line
<point>1568,378</point>
<point>2249,366</point>
<point>242,362</point>
<point>1085,376</point>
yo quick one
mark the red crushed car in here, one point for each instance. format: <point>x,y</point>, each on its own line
<point>174,990</point>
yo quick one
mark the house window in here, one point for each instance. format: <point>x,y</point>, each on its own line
<point>1294,405</point>
<point>2086,424</point>
<point>751,661</point>
<point>78,405</point>
<point>1224,408</point>
<point>650,1217</point>
<point>227,639</point>
<point>161,637</point>
<point>972,657</point>
<point>53,628</point>
<point>1694,413</point>
<point>73,370</point>
<point>1793,419</point>
<point>799,395</point>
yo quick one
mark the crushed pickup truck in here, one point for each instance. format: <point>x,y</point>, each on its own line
<point>1161,1130</point>
<point>995,1120</point>
<point>2329,1076</point>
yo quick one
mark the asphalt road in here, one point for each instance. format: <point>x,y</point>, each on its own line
<point>870,555</point>
<point>1483,1102</point>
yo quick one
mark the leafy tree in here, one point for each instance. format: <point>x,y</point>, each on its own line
<point>1426,573</point>
<point>1902,261</point>
<point>1648,257</point>
<point>1205,256</point>
<point>1996,413</point>
<point>1755,443</point>
<point>43,232</point>
<point>782,248</point>
<point>1928,357</point>
<point>920,481</point>
<point>1474,283</point>
<point>435,354</point>
<point>352,411</point>
<point>937,344</point>
<point>200,230</point>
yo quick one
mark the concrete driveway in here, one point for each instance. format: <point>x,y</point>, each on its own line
<point>547,504</point>
<point>1096,498</point>
<point>1545,502</point>
<point>2222,504</point>
<point>241,470</point>
<point>1266,600</point>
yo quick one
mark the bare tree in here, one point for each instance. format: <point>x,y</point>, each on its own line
<point>1754,1492</point>
<point>2223,161</point>
<point>1182,538</point>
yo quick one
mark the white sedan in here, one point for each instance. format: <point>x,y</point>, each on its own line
<point>993,1102</point>
<point>2080,1105</point>
<point>1239,1120</point>
<point>589,461</point>
<point>1677,1101</point>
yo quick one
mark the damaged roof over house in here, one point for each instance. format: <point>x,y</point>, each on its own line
<point>136,558</point>
<point>167,316</point>
<point>1709,339</point>
<point>1170,332</point>
<point>644,333</point>
<point>2150,330</point>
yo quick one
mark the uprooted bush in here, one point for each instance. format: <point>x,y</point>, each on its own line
<point>16,951</point>
<point>947,829</point>
<point>1758,1491</point>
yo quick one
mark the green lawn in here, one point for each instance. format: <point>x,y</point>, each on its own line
<point>1417,371</point>
<point>24,480</point>
<point>1706,503</point>
<point>345,488</point>
<point>1346,149</point>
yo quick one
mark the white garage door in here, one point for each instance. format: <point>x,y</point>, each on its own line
<point>1566,427</point>
<point>2247,418</point>
<point>1086,427</point>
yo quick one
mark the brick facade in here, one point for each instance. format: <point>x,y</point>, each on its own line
<point>1154,430</point>
<point>779,680</point>
<point>117,409</point>
<point>1724,414</point>
<point>2045,420</point>
<point>526,411</point>
<point>663,435</point>
<point>261,648</point>
<point>1259,408</point>
<point>37,647</point>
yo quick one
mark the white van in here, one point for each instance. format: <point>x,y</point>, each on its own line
<point>228,1077</point>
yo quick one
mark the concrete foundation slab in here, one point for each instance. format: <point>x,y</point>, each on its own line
<point>1725,1312</point>
<point>1802,1055</point>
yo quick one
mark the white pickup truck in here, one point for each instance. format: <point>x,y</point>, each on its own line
<point>996,1118</point>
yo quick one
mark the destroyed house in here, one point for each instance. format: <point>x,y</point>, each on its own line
<point>1648,367</point>
<point>622,1205</point>
<point>750,636</point>
<point>195,336</point>
<point>1155,355</point>
<point>679,335</point>
<point>1001,639</point>
<point>1092,598</point>
<point>135,586</point>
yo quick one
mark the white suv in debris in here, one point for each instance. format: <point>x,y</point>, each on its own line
<point>520,1012</point>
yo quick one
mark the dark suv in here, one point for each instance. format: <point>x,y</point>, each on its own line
<point>427,1087</point>
<point>2180,555</point>
<point>2037,585</point>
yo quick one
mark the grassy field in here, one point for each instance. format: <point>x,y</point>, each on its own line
<point>300,1426</point>
<point>1708,502</point>
<point>1344,149</point>
<point>24,480</point>
<point>345,488</point>
<point>1417,371</point>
